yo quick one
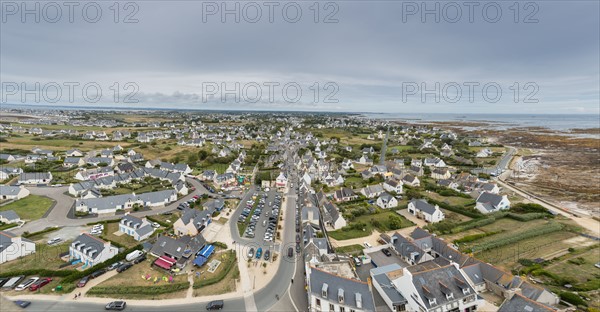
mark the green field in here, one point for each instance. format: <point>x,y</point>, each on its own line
<point>380,221</point>
<point>45,257</point>
<point>32,207</point>
<point>109,233</point>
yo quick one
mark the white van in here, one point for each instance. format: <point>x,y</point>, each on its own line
<point>11,283</point>
<point>133,255</point>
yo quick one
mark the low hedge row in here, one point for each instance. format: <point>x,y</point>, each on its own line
<point>163,224</point>
<point>44,231</point>
<point>40,272</point>
<point>231,261</point>
<point>139,290</point>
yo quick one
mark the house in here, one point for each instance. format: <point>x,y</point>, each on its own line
<point>13,247</point>
<point>423,210</point>
<point>214,205</point>
<point>393,186</point>
<point>138,228</point>
<point>345,194</point>
<point>91,250</point>
<point>208,175</point>
<point>332,216</point>
<point>440,173</point>
<point>225,179</point>
<point>180,249</point>
<point>111,204</point>
<point>7,172</point>
<point>331,292</point>
<point>70,162</point>
<point>411,180</point>
<point>486,152</point>
<point>281,181</point>
<point>347,164</point>
<point>9,216</point>
<point>434,162</point>
<point>7,157</point>
<point>192,222</point>
<point>386,201</point>
<point>365,160</point>
<point>311,215</point>
<point>74,153</point>
<point>13,192</point>
<point>490,202</point>
<point>519,302</point>
<point>372,191</point>
<point>437,289</point>
<point>35,178</point>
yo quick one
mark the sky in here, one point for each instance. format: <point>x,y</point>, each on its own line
<point>346,56</point>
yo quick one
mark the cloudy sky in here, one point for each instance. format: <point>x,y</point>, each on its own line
<point>375,56</point>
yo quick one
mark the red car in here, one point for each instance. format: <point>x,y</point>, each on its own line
<point>196,197</point>
<point>40,283</point>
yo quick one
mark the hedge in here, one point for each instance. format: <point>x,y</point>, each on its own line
<point>231,261</point>
<point>471,224</point>
<point>119,257</point>
<point>7,226</point>
<point>163,224</point>
<point>572,298</point>
<point>220,245</point>
<point>40,272</point>
<point>462,211</point>
<point>474,237</point>
<point>139,290</point>
<point>527,216</point>
<point>532,232</point>
<point>44,231</point>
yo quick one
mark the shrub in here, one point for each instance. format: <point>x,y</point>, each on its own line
<point>139,290</point>
<point>532,232</point>
<point>572,298</point>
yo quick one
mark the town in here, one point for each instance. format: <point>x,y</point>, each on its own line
<point>275,211</point>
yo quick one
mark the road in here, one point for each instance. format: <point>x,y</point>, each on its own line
<point>58,306</point>
<point>502,164</point>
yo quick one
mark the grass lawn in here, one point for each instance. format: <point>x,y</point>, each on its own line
<point>32,207</point>
<point>379,221</point>
<point>167,218</point>
<point>350,249</point>
<point>227,284</point>
<point>109,232</point>
<point>219,168</point>
<point>452,200</point>
<point>354,182</point>
<point>45,257</point>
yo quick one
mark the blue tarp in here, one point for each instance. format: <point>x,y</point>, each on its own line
<point>207,251</point>
<point>200,261</point>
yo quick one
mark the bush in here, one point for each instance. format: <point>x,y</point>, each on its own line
<point>474,237</point>
<point>529,207</point>
<point>220,245</point>
<point>527,217</point>
<point>44,231</point>
<point>572,298</point>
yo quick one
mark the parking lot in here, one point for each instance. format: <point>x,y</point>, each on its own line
<point>262,214</point>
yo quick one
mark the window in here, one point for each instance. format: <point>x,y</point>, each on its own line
<point>342,309</point>
<point>318,302</point>
<point>331,308</point>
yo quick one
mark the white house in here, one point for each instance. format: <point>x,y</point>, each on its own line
<point>386,201</point>
<point>440,173</point>
<point>393,186</point>
<point>138,228</point>
<point>281,181</point>
<point>9,216</point>
<point>91,250</point>
<point>372,191</point>
<point>330,292</point>
<point>13,192</point>
<point>332,216</point>
<point>35,178</point>
<point>426,211</point>
<point>111,204</point>
<point>489,202</point>
<point>13,247</point>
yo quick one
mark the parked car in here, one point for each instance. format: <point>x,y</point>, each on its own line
<point>367,245</point>
<point>215,305</point>
<point>124,267</point>
<point>290,252</point>
<point>54,241</point>
<point>386,252</point>
<point>83,281</point>
<point>258,252</point>
<point>133,255</point>
<point>22,303</point>
<point>251,253</point>
<point>139,259</point>
<point>114,265</point>
<point>155,225</point>
<point>3,280</point>
<point>27,283</point>
<point>14,281</point>
<point>40,283</point>
<point>116,305</point>
<point>267,255</point>
<point>97,273</point>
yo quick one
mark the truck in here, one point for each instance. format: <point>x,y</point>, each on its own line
<point>133,255</point>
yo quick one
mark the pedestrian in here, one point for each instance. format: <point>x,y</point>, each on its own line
<point>292,281</point>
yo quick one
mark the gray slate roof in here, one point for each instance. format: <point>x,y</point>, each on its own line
<point>436,283</point>
<point>522,304</point>
<point>350,288</point>
<point>424,206</point>
<point>9,215</point>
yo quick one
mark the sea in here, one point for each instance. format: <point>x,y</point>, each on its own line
<point>564,122</point>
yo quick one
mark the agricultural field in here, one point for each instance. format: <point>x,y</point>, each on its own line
<point>383,221</point>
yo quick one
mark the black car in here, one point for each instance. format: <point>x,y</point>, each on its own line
<point>3,280</point>
<point>114,265</point>
<point>267,255</point>
<point>139,259</point>
<point>215,305</point>
<point>98,273</point>
<point>116,305</point>
<point>124,267</point>
<point>290,252</point>
<point>386,252</point>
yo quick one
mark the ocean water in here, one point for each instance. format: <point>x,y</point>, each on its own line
<point>503,121</point>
